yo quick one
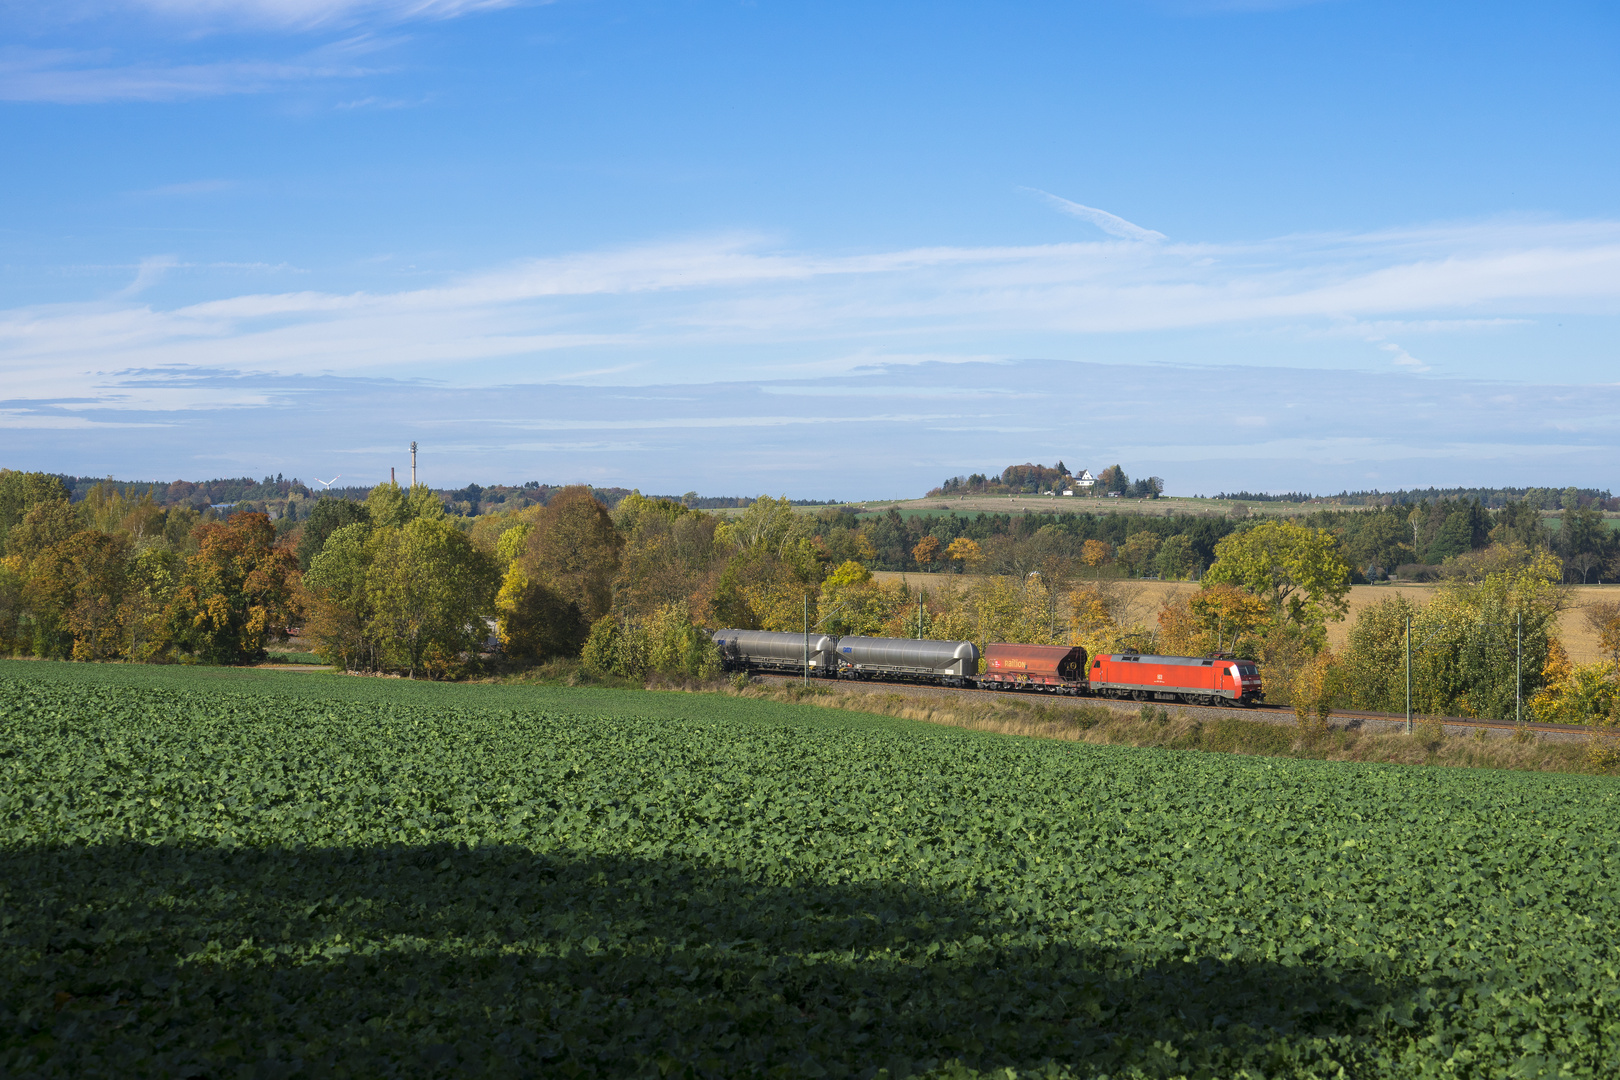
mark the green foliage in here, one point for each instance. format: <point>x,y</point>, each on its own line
<point>534,620</point>
<point>1375,659</point>
<point>20,492</point>
<point>1177,560</point>
<point>392,879</point>
<point>666,643</point>
<point>602,652</point>
<point>1297,569</point>
<point>512,543</point>
<point>428,590</point>
<point>339,606</point>
<point>391,505</point>
<point>326,517</point>
<point>574,551</point>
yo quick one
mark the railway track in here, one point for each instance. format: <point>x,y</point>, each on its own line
<point>1268,713</point>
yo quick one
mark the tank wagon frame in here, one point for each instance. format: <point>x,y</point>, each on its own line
<point>951,663</point>
<point>766,650</point>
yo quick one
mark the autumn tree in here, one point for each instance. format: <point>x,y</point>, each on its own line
<point>45,577</point>
<point>534,621</point>
<point>561,580</point>
<point>1227,614</point>
<point>1138,551</point>
<point>512,543</point>
<point>154,571</point>
<point>1297,570</point>
<point>1375,657</point>
<point>926,552</point>
<point>1604,621</point>
<point>1093,618</point>
<point>575,549</point>
<point>1482,637</point>
<point>97,567</point>
<point>1000,609</point>
<point>776,566</point>
<point>20,492</point>
<point>234,593</point>
<point>429,590</point>
<point>965,553</point>
<point>852,602</point>
<point>669,556</point>
<point>1113,481</point>
<point>13,610</point>
<point>43,526</point>
<point>1096,553</point>
<point>338,615</point>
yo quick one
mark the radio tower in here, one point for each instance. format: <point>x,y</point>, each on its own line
<point>413,463</point>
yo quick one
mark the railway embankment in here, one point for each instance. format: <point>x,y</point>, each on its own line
<point>1268,731</point>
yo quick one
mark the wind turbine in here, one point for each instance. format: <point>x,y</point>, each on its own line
<point>328,483</point>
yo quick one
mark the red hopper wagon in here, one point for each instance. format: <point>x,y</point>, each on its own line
<point>1057,669</point>
<point>1197,680</point>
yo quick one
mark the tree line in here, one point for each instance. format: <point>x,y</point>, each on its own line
<point>395,582</point>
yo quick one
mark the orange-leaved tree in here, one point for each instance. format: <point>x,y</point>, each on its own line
<point>234,593</point>
<point>927,551</point>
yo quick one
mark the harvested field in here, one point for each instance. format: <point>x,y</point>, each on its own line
<point>1142,600</point>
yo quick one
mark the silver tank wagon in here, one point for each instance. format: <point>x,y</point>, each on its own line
<point>950,662</point>
<point>765,650</point>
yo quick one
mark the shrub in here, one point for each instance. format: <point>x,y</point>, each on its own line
<point>666,644</point>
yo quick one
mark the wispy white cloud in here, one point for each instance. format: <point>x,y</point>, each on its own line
<point>186,189</point>
<point>1112,224</point>
<point>147,274</point>
<point>1281,429</point>
<point>309,13</point>
<point>706,308</point>
<point>1402,358</point>
<point>74,78</point>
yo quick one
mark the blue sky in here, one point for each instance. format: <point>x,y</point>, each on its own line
<point>832,249</point>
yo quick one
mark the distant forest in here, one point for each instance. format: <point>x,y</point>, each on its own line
<point>1490,498</point>
<point>273,494</point>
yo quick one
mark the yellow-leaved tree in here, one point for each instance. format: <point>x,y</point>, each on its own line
<point>965,553</point>
<point>560,580</point>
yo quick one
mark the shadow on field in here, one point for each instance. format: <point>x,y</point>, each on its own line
<point>418,961</point>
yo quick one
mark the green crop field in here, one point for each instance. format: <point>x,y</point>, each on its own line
<point>221,873</point>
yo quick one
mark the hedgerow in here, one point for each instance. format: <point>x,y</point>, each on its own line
<point>396,881</point>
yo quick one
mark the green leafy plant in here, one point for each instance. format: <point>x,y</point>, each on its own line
<point>206,873</point>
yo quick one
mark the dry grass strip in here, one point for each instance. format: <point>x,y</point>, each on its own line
<point>1155,726</point>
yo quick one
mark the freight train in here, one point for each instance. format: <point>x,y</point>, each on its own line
<point>1060,669</point>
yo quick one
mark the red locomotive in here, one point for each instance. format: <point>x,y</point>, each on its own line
<point>1061,669</point>
<point>1196,680</point>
